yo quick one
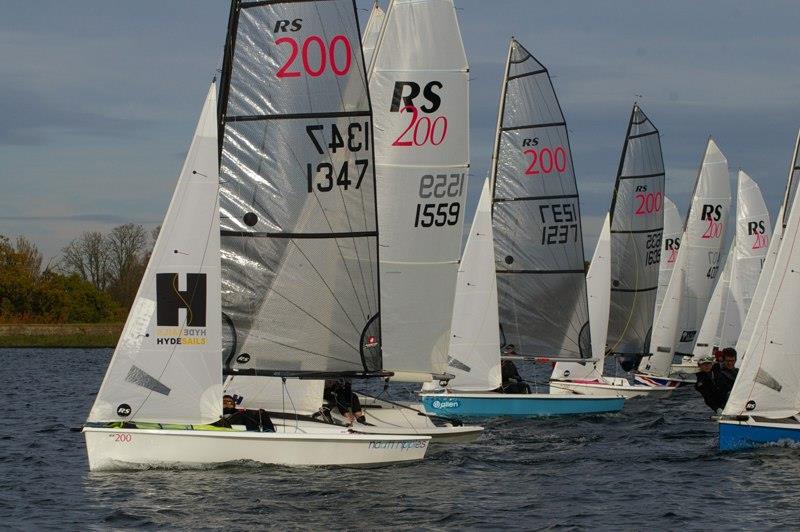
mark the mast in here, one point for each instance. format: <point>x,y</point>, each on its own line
<point>301,291</point>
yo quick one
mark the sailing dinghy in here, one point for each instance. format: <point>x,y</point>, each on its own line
<point>764,405</point>
<point>522,282</point>
<point>687,296</point>
<point>633,233</point>
<point>734,292</point>
<point>296,198</point>
<point>418,260</point>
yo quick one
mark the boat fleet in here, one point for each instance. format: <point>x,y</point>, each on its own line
<point>315,233</point>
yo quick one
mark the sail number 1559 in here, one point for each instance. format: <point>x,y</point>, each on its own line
<point>436,213</point>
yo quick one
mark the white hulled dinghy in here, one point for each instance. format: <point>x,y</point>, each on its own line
<point>634,236</point>
<point>675,329</point>
<point>764,405</point>
<point>522,283</point>
<point>736,287</point>
<point>290,237</point>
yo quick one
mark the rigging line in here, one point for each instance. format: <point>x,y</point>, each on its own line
<point>355,328</point>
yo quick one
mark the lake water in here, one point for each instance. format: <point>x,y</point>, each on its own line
<point>653,466</point>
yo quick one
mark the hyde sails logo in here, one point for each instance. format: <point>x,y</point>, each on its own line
<point>181,309</point>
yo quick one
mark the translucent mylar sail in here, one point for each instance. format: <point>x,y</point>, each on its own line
<point>166,366</point>
<point>419,88</point>
<point>637,219</point>
<point>539,260</point>
<point>299,231</point>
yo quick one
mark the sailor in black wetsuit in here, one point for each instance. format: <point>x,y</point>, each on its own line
<point>253,420</point>
<point>512,381</point>
<point>725,373</point>
<point>707,385</point>
<point>339,393</point>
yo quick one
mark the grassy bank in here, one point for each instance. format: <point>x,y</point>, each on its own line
<point>61,335</point>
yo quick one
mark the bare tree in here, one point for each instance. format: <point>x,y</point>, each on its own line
<point>127,251</point>
<point>30,256</point>
<point>88,257</point>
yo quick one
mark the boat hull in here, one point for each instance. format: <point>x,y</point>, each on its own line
<point>653,381</point>
<point>614,388</point>
<point>409,419</point>
<point>517,405</point>
<point>120,449</point>
<point>737,435</point>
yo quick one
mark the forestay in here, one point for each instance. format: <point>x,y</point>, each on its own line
<point>670,244</point>
<point>474,356</point>
<point>299,229</point>
<point>598,285</point>
<point>769,263</point>
<point>539,258</point>
<point>166,366</point>
<point>768,384</point>
<point>702,239</point>
<point>419,86</point>
<point>371,33</point>
<point>637,220</point>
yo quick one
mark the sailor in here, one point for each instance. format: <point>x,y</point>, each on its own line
<point>725,373</point>
<point>253,420</point>
<point>512,381</point>
<point>339,393</point>
<point>707,386</point>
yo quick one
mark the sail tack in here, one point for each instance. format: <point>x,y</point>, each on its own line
<point>166,366</point>
<point>539,256</point>
<point>637,220</point>
<point>419,90</point>
<point>299,228</point>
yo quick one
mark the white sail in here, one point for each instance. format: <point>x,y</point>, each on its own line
<point>768,384</point>
<point>710,331</point>
<point>166,367</point>
<point>753,235</point>
<point>598,286</point>
<point>372,31</point>
<point>419,91</point>
<point>475,343</point>
<point>699,259</point>
<point>670,244</point>
<point>769,263</point>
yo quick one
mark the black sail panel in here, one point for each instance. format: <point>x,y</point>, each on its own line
<point>299,231</point>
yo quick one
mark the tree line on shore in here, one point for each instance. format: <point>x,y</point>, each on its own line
<point>93,280</point>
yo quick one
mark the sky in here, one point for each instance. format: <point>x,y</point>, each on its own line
<point>99,100</point>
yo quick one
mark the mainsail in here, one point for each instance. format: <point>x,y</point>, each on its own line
<point>637,219</point>
<point>299,230</point>
<point>769,263</point>
<point>166,366</point>
<point>670,244</point>
<point>539,260</point>
<point>371,33</point>
<point>698,260</point>
<point>419,88</point>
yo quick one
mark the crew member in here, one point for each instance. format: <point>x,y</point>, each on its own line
<point>253,420</point>
<point>339,393</point>
<point>725,373</point>
<point>707,386</point>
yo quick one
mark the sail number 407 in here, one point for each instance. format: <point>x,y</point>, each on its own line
<point>439,186</point>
